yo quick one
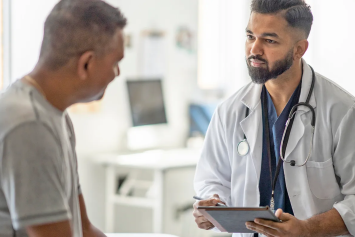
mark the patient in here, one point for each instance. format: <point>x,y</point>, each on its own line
<point>39,187</point>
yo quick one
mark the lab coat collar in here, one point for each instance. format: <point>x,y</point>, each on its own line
<point>306,85</point>
<point>298,125</point>
<point>252,96</point>
<point>252,125</point>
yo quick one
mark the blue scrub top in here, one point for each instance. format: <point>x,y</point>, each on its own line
<point>276,128</point>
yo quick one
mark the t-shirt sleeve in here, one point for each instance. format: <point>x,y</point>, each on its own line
<point>32,178</point>
<point>73,145</point>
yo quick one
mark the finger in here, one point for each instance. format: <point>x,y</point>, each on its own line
<point>206,225</point>
<point>196,213</point>
<point>267,223</point>
<point>207,203</point>
<point>278,213</point>
<point>203,203</point>
<point>201,219</point>
<point>283,215</point>
<point>272,224</point>
<point>211,227</point>
<point>261,229</point>
<point>215,196</point>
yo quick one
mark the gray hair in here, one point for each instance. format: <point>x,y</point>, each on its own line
<point>77,26</point>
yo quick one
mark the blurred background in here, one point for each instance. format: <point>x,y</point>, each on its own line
<point>138,147</point>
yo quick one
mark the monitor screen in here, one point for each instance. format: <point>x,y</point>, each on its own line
<point>146,102</point>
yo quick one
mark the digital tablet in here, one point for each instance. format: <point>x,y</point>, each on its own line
<point>233,219</point>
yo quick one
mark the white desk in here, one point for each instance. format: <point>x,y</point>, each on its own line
<point>139,235</point>
<point>158,161</point>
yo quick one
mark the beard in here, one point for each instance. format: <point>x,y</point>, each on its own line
<point>261,75</point>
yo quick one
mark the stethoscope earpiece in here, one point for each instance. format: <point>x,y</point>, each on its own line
<point>293,163</point>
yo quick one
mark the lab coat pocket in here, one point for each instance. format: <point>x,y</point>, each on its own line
<point>321,179</point>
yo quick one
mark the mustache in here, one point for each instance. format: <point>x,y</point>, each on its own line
<point>257,57</point>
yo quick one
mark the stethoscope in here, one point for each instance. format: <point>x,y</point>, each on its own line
<point>243,146</point>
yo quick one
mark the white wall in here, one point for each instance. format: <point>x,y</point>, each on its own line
<point>331,42</point>
<point>221,55</point>
<point>27,20</point>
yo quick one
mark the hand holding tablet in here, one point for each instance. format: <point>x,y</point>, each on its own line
<point>228,219</point>
<point>201,221</point>
<point>233,219</point>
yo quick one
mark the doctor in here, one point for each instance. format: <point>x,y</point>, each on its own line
<point>241,163</point>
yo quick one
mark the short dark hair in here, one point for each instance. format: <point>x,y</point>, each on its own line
<point>297,12</point>
<point>76,26</point>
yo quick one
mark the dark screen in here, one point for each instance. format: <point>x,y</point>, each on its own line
<point>146,102</point>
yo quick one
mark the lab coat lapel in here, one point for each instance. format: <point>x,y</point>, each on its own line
<point>298,128</point>
<point>252,128</point>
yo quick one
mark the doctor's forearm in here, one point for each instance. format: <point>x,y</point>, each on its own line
<point>329,223</point>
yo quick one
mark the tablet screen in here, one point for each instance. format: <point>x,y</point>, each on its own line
<point>232,220</point>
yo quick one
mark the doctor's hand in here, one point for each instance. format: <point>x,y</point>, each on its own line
<point>290,226</point>
<point>200,220</point>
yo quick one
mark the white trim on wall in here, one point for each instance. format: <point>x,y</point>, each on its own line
<point>6,42</point>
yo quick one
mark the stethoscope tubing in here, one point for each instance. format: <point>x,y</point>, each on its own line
<point>282,142</point>
<point>288,122</point>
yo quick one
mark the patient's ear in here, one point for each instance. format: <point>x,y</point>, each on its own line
<point>84,64</point>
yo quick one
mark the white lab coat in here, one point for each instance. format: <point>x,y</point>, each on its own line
<point>328,179</point>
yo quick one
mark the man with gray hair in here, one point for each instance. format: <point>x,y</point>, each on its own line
<point>39,187</point>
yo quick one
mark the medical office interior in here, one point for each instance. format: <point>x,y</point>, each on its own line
<point>138,147</point>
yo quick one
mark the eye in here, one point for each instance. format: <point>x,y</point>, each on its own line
<point>270,41</point>
<point>250,37</point>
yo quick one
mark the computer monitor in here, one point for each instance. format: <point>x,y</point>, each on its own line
<point>146,102</point>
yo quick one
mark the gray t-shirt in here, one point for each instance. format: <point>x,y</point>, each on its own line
<point>38,167</point>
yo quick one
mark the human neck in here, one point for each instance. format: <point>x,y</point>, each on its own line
<point>55,90</point>
<point>282,88</point>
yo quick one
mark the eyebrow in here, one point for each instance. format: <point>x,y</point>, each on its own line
<point>267,34</point>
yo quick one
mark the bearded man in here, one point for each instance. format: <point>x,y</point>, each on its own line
<point>304,170</point>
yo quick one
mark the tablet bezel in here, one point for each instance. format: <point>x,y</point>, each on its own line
<point>206,209</point>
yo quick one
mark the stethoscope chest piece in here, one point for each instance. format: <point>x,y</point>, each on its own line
<point>243,148</point>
